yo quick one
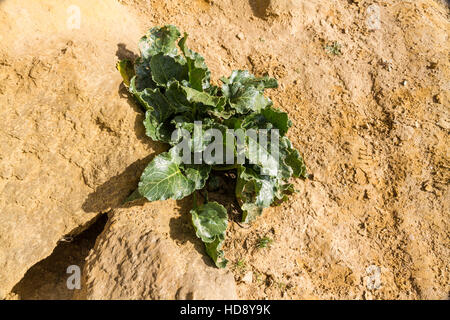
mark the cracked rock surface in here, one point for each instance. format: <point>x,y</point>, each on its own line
<point>149,252</point>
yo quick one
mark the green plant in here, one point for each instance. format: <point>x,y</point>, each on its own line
<point>333,48</point>
<point>241,265</point>
<point>175,92</point>
<point>264,243</point>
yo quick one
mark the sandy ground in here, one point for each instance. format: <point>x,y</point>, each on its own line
<point>371,119</point>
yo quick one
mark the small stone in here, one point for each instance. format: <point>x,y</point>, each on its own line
<point>437,98</point>
<point>426,186</point>
<point>240,36</point>
<point>248,277</point>
<point>433,65</point>
<point>404,83</point>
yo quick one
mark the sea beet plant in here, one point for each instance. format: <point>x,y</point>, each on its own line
<point>172,85</point>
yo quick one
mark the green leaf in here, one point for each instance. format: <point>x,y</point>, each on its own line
<point>199,74</point>
<point>197,173</point>
<point>214,250</point>
<point>292,158</point>
<point>254,192</point>
<point>126,69</point>
<point>203,97</point>
<point>277,118</point>
<point>156,130</point>
<point>246,99</point>
<point>176,95</point>
<point>143,78</point>
<point>158,111</point>
<point>246,92</point>
<point>247,79</point>
<point>283,190</point>
<point>166,69</point>
<point>159,40</point>
<point>165,178</point>
<point>210,221</point>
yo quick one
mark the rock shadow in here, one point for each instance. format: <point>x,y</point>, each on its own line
<point>46,280</point>
<point>123,53</point>
<point>113,192</point>
<point>182,230</point>
<point>259,8</point>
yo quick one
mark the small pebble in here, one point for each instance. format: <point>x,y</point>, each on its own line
<point>248,277</point>
<point>240,36</point>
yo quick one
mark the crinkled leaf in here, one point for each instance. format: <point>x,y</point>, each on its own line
<point>159,40</point>
<point>250,211</point>
<point>165,178</point>
<point>213,105</point>
<point>166,69</point>
<point>254,192</point>
<point>158,131</point>
<point>246,92</point>
<point>204,98</point>
<point>197,173</point>
<point>177,97</point>
<point>292,158</point>
<point>246,99</point>
<point>214,250</point>
<point>283,190</point>
<point>247,79</point>
<point>158,111</point>
<point>210,221</point>
<point>143,78</point>
<point>277,118</point>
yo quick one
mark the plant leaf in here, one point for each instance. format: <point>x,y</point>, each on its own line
<point>293,159</point>
<point>159,40</point>
<point>198,174</point>
<point>246,92</point>
<point>176,95</point>
<point>199,74</point>
<point>254,192</point>
<point>166,69</point>
<point>126,69</point>
<point>143,78</point>
<point>158,111</point>
<point>247,79</point>
<point>214,250</point>
<point>210,221</point>
<point>164,178</point>
<point>277,118</point>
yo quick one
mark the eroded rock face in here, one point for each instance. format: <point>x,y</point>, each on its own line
<point>69,144</point>
<point>150,252</point>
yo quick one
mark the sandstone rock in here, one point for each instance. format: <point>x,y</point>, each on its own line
<point>151,252</point>
<point>68,144</point>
